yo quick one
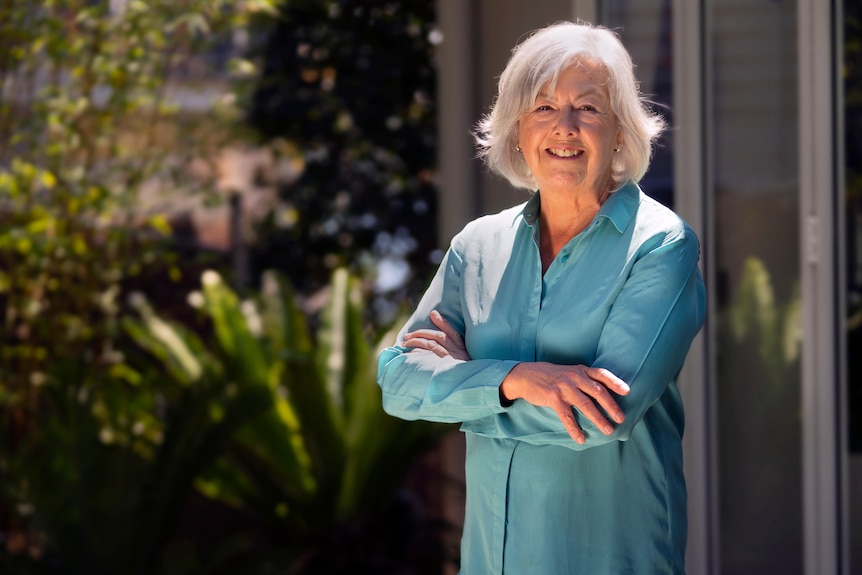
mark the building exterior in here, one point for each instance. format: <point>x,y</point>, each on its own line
<point>757,160</point>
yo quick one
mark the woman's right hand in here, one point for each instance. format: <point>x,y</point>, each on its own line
<point>445,341</point>
<point>563,387</point>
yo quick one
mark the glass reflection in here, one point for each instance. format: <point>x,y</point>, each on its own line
<point>755,190</point>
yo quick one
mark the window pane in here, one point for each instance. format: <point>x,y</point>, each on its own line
<point>852,67</point>
<point>645,29</point>
<point>756,198</point>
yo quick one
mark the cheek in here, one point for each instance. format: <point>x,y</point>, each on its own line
<point>526,132</point>
<point>522,127</point>
<point>607,135</point>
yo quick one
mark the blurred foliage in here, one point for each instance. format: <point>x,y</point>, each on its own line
<point>94,140</point>
<point>759,355</point>
<point>776,328</point>
<point>100,485</point>
<point>347,95</point>
<point>283,426</point>
<point>89,125</point>
<point>323,464</point>
<point>141,435</point>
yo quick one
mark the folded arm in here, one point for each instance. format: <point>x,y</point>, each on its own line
<point>418,383</point>
<point>644,343</point>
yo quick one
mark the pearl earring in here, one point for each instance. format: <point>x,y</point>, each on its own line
<point>518,149</point>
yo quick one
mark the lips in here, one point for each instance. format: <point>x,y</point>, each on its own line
<point>564,153</point>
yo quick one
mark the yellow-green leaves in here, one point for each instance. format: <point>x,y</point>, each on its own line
<point>325,451</point>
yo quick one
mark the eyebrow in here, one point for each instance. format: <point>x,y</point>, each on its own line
<point>584,94</point>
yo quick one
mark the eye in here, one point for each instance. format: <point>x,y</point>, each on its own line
<point>543,108</point>
<point>588,108</point>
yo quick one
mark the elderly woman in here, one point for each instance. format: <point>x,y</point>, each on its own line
<point>554,331</point>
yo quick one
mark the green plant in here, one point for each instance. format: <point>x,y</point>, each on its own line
<point>324,463</point>
<point>92,139</point>
<point>106,481</point>
<point>91,134</point>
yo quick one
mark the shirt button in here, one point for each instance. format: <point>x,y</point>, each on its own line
<point>565,258</point>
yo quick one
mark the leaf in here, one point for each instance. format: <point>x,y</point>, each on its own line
<point>193,441</point>
<point>181,352</point>
<point>194,23</point>
<point>342,352</point>
<point>245,358</point>
<point>251,364</point>
<point>160,223</point>
<point>380,446</point>
<point>283,321</point>
<point>286,328</point>
<point>276,437</point>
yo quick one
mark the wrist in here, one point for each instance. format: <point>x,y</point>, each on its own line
<point>505,401</point>
<point>508,393</point>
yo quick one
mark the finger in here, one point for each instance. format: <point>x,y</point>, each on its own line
<point>426,344</point>
<point>430,334</point>
<point>608,379</point>
<point>444,344</point>
<point>564,412</point>
<point>446,327</point>
<point>600,394</point>
<point>588,409</point>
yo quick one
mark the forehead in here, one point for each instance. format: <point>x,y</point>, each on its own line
<point>582,74</point>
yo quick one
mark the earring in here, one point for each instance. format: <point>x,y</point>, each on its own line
<point>518,149</point>
<point>616,149</point>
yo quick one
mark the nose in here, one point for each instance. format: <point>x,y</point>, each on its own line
<point>567,122</point>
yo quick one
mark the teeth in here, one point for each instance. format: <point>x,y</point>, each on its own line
<point>564,153</point>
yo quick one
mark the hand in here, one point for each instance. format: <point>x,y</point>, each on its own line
<point>445,342</point>
<point>563,387</point>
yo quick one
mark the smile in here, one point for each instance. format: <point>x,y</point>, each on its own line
<point>561,153</point>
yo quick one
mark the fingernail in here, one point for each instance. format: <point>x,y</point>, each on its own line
<point>608,429</point>
<point>620,418</point>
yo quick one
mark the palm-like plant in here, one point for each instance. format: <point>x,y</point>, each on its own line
<point>100,483</point>
<point>324,460</point>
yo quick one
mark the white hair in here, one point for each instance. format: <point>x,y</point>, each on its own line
<point>537,63</point>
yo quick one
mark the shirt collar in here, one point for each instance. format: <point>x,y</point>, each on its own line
<point>619,208</point>
<point>531,210</point>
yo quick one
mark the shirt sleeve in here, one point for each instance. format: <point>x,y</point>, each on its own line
<point>418,384</point>
<point>647,335</point>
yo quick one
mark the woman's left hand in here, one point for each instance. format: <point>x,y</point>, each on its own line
<point>445,342</point>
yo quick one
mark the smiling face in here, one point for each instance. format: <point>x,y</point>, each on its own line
<point>569,134</point>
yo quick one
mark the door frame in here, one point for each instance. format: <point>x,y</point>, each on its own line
<point>823,349</point>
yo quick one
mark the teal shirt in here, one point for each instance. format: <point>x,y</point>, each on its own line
<point>625,294</point>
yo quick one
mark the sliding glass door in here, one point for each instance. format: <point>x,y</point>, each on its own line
<point>755,187</point>
<point>751,182</point>
<point>851,56</point>
<point>766,160</point>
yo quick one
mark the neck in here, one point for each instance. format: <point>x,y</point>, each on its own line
<point>568,215</point>
<point>561,218</point>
